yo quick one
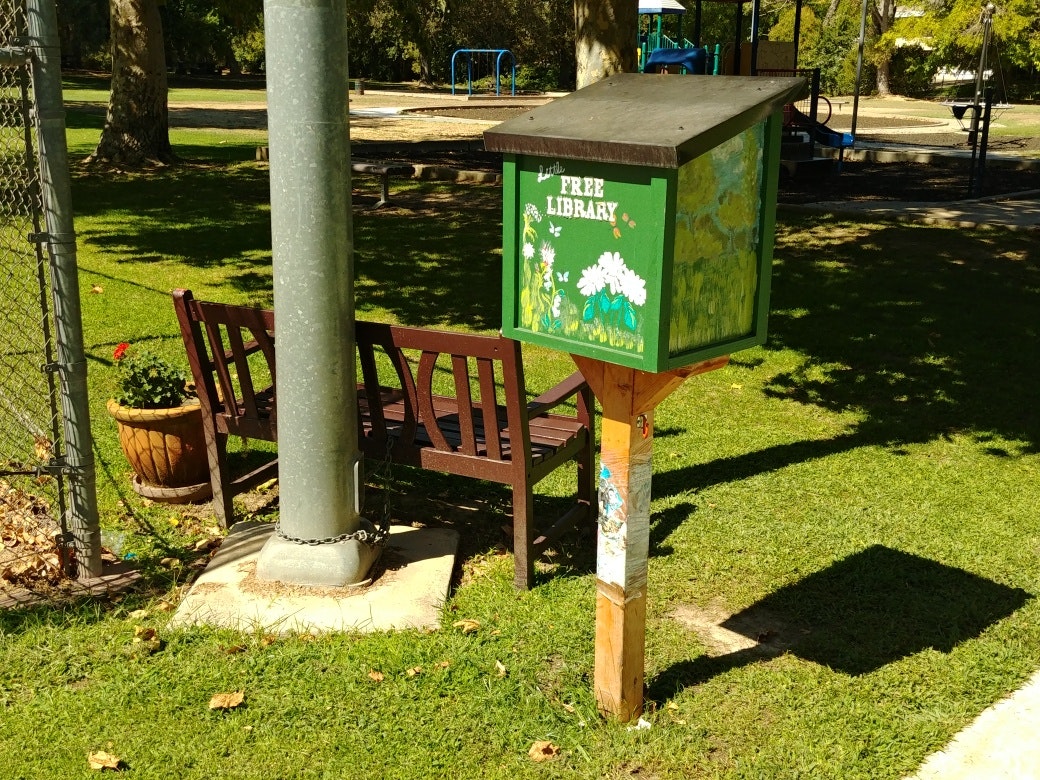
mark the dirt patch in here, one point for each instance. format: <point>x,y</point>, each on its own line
<point>859,181</point>
<point>485,113</point>
<point>756,631</point>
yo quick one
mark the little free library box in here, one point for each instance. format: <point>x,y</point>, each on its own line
<point>638,217</point>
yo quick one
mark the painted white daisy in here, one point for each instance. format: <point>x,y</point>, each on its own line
<point>591,281</point>
<point>633,287</point>
<point>612,265</point>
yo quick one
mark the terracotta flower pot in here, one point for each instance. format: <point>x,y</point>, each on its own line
<point>165,447</point>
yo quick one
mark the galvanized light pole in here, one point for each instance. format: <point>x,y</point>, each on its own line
<point>321,540</point>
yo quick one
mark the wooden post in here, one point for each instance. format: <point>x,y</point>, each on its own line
<point>628,397</point>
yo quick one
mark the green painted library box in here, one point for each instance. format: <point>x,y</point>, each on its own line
<point>638,217</point>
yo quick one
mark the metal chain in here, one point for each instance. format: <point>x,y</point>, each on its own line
<point>362,535</point>
<point>381,532</point>
<point>388,483</point>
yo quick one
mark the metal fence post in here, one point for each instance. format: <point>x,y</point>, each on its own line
<point>61,246</point>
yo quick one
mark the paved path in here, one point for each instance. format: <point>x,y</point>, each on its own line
<point>1020,211</point>
<point>1002,744</point>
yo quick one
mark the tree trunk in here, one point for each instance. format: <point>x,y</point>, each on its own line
<point>136,131</point>
<point>884,81</point>
<point>605,35</point>
<point>883,17</point>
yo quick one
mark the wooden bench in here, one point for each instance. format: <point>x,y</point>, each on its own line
<point>449,402</point>
<point>384,171</point>
<point>461,427</point>
<point>233,402</point>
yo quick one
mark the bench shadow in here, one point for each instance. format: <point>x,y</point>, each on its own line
<point>863,612</point>
<point>481,514</point>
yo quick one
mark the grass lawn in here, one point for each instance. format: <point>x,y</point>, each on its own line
<point>859,496</point>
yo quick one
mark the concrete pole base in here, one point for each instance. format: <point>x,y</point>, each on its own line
<point>335,565</point>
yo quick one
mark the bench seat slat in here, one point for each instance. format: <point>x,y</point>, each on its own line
<point>547,433</point>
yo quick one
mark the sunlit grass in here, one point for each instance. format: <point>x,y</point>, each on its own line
<point>861,492</point>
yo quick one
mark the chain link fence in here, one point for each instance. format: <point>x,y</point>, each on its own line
<point>34,542</point>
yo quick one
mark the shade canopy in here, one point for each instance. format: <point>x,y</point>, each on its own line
<point>643,119</point>
<point>662,7</point>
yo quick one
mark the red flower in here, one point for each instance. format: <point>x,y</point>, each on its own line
<point>121,349</point>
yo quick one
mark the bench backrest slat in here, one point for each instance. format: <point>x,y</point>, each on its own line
<point>489,407</point>
<point>374,399</point>
<point>371,336</point>
<point>427,415</point>
<point>229,395</point>
<point>457,432</point>
<point>467,433</point>
<point>239,357</point>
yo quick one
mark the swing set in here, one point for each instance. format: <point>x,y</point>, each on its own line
<point>960,108</point>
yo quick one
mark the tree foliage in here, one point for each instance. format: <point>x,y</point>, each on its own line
<point>83,33</point>
<point>904,52</point>
<point>399,40</point>
<point>404,39</point>
<point>953,28</point>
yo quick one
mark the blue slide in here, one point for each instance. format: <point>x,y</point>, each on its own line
<point>820,132</point>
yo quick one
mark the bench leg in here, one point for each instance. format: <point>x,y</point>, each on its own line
<point>216,451</point>
<point>384,191</point>
<point>523,536</point>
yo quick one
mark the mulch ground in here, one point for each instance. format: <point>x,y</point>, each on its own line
<point>856,181</point>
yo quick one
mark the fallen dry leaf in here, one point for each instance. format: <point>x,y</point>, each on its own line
<point>468,625</point>
<point>96,289</point>
<point>376,676</point>
<point>102,760</point>
<point>268,640</point>
<point>442,665</point>
<point>164,606</point>
<point>501,668</point>
<point>141,633</point>
<point>137,614</point>
<point>543,751</point>
<point>415,670</point>
<point>234,649</point>
<point>227,701</point>
<point>569,707</point>
<point>43,448</point>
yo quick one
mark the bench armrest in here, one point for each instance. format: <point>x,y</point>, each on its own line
<point>555,396</point>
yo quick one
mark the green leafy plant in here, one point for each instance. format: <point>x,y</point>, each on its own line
<point>146,381</point>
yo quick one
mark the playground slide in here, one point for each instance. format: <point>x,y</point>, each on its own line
<point>820,132</point>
